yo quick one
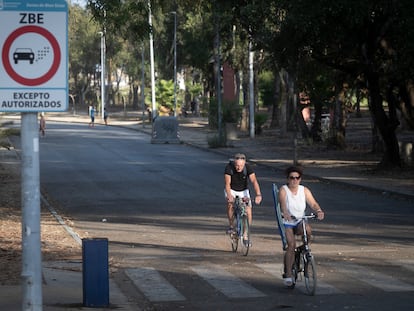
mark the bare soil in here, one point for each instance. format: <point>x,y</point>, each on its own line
<point>56,243</point>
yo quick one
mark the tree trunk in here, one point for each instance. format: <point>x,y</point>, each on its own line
<point>283,102</point>
<point>276,102</point>
<point>135,97</point>
<point>386,127</point>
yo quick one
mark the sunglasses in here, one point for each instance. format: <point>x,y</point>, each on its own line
<point>294,177</point>
<point>240,158</point>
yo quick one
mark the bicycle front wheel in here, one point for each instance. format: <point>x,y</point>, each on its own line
<point>234,240</point>
<point>310,274</point>
<point>234,235</point>
<point>245,235</point>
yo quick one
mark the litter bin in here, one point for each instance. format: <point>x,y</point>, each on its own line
<point>95,272</point>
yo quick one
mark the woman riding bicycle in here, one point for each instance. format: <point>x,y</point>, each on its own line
<point>236,176</point>
<point>293,198</point>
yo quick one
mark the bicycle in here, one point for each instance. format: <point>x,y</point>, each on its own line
<point>241,230</point>
<point>304,264</point>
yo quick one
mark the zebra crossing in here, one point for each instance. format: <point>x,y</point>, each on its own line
<point>156,288</point>
<point>225,282</point>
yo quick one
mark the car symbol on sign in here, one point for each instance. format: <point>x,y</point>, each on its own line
<point>23,54</point>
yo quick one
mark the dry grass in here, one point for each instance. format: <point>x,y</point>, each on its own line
<point>56,242</point>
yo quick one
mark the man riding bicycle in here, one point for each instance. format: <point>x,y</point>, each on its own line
<point>237,174</point>
<point>293,198</point>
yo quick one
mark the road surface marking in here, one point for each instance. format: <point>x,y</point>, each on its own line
<point>405,263</point>
<point>322,288</point>
<point>227,283</point>
<point>364,274</point>
<point>153,285</point>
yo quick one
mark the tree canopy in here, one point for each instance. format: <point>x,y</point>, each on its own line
<point>323,46</point>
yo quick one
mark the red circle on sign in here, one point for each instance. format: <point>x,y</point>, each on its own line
<point>6,50</point>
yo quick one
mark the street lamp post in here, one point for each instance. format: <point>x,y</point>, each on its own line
<point>175,63</point>
<point>102,73</point>
<point>154,107</point>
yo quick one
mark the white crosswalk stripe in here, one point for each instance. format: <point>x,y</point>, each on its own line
<point>374,278</point>
<point>153,285</point>
<point>405,263</point>
<point>158,289</point>
<point>226,283</point>
<point>276,269</point>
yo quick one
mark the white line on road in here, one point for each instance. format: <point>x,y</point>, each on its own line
<point>364,274</point>
<point>405,263</point>
<point>153,285</point>
<point>227,283</point>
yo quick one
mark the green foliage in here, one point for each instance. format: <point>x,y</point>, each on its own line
<point>84,52</point>
<point>267,88</point>
<point>213,113</point>
<point>127,19</point>
<point>165,94</point>
<point>6,132</point>
<point>259,120</point>
<point>231,112</point>
<point>217,141</point>
<point>195,89</point>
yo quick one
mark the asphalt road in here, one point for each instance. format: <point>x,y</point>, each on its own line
<point>161,207</point>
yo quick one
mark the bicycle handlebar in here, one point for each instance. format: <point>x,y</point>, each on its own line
<point>310,216</point>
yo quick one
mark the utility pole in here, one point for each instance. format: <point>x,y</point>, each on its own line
<point>175,63</point>
<point>103,43</point>
<point>143,84</point>
<point>154,107</point>
<point>251,89</point>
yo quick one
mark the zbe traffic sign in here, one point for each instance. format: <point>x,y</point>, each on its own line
<point>33,56</point>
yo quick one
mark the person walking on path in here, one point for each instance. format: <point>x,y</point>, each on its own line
<point>92,115</point>
<point>293,199</point>
<point>42,124</point>
<point>105,116</point>
<point>237,174</point>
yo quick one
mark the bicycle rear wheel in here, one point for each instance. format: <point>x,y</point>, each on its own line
<point>309,273</point>
<point>244,233</point>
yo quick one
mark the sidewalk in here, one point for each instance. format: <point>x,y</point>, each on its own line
<point>63,280</point>
<point>63,291</point>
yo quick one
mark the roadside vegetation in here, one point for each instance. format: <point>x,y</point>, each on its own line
<point>4,134</point>
<point>337,55</point>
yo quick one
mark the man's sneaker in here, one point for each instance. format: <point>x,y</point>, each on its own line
<point>247,243</point>
<point>230,230</point>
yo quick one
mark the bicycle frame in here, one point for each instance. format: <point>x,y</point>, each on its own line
<point>304,263</point>
<point>241,227</point>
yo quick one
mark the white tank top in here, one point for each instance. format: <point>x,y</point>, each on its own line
<point>296,203</point>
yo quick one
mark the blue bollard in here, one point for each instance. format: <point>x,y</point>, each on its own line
<point>95,272</point>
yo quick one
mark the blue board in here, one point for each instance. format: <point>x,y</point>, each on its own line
<point>279,219</point>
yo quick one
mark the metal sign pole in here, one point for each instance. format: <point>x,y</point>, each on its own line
<point>31,247</point>
<point>33,78</point>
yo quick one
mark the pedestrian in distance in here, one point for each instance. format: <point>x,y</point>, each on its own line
<point>237,175</point>
<point>42,124</point>
<point>92,116</point>
<point>105,116</point>
<point>293,199</point>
